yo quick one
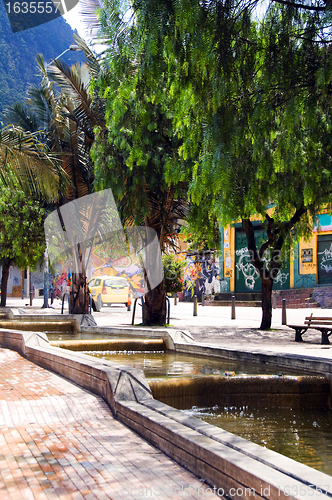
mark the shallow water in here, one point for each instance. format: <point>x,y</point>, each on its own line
<point>160,364</point>
<point>303,435</point>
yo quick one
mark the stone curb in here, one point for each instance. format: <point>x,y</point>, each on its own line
<point>224,460</point>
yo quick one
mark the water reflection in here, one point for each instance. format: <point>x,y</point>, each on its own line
<point>303,435</point>
<point>160,364</point>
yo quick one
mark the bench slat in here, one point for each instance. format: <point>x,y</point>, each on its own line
<point>329,318</point>
<point>325,328</point>
<point>316,322</point>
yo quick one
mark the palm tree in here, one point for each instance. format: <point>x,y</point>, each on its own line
<point>65,114</point>
<point>26,162</point>
<point>143,195</point>
<point>30,171</point>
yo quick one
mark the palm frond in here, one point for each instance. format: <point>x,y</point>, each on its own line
<point>92,60</point>
<point>90,17</point>
<point>22,116</point>
<point>25,162</point>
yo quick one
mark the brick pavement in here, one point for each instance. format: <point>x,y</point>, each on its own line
<point>60,441</point>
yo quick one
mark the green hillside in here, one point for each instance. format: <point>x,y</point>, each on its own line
<point>18,69</point>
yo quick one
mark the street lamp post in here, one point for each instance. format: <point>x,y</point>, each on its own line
<point>46,280</point>
<point>74,48</point>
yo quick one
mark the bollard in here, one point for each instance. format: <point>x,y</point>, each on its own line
<point>283,313</point>
<point>233,307</point>
<point>129,303</point>
<point>195,305</point>
<point>274,300</point>
<point>176,299</point>
<point>203,300</point>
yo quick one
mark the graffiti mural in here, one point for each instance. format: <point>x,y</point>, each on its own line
<point>324,259</point>
<point>224,285</point>
<point>201,275</point>
<point>128,267</point>
<point>247,277</point>
<point>250,273</point>
<point>59,281</point>
<point>245,266</point>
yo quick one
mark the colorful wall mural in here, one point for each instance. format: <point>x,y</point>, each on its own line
<point>201,275</point>
<point>127,267</point>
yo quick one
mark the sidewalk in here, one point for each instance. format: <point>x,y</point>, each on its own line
<point>213,325</point>
<point>59,441</point>
<point>211,318</point>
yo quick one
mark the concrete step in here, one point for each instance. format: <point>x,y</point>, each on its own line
<point>241,303</point>
<point>38,326</point>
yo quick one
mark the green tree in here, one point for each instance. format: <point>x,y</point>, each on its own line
<point>26,162</point>
<point>173,273</point>
<point>22,241</point>
<point>250,101</point>
<point>137,148</point>
<point>61,110</point>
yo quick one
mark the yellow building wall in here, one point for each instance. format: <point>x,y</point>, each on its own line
<point>304,246</point>
<point>291,269</point>
<point>229,256</point>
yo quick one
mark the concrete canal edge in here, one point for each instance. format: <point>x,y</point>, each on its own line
<point>237,468</point>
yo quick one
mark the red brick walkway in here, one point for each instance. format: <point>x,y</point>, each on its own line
<point>60,441</point>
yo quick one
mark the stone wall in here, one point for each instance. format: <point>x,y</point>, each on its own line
<point>226,462</point>
<point>323,296</point>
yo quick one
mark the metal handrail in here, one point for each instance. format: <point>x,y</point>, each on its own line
<point>134,310</point>
<point>168,309</point>
<point>63,300</point>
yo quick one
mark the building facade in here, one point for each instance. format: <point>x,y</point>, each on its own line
<point>306,265</point>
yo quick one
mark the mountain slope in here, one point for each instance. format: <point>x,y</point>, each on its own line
<point>18,69</point>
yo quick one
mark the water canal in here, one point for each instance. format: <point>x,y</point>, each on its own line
<point>303,435</point>
<point>168,364</point>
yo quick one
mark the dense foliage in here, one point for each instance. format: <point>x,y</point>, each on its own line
<point>22,241</point>
<point>247,108</point>
<point>173,273</point>
<point>137,146</point>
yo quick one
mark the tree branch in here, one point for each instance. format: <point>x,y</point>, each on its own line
<point>301,5</point>
<point>254,255</point>
<point>271,235</point>
<point>287,226</point>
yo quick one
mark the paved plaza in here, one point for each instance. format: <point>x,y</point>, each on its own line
<point>60,441</point>
<point>213,325</point>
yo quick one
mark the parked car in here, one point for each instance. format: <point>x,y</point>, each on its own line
<point>107,290</point>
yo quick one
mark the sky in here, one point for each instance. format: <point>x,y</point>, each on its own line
<point>73,18</point>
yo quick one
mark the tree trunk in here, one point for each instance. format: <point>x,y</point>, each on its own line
<point>4,281</point>
<point>79,296</point>
<point>267,283</point>
<point>155,306</point>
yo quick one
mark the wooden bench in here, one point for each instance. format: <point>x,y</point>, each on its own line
<point>324,325</point>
